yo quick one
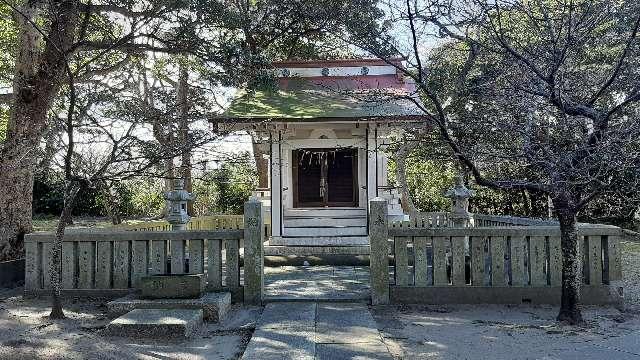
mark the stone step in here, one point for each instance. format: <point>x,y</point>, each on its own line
<point>150,323</point>
<point>325,231</point>
<point>324,221</point>
<point>320,240</point>
<point>324,212</point>
<point>281,250</point>
<point>214,305</point>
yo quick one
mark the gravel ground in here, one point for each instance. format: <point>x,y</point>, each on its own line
<point>495,332</point>
<point>26,333</point>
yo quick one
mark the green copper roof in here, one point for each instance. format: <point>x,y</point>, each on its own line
<point>317,104</point>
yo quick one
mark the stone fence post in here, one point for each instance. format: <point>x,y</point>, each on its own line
<point>253,252</point>
<point>379,257</point>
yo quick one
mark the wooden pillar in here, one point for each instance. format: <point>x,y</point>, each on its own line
<point>372,163</point>
<point>362,175</point>
<point>276,185</point>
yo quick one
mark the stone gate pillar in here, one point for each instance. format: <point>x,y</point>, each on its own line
<point>253,252</point>
<point>379,253</point>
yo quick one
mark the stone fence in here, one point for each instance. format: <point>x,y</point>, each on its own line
<point>110,263</point>
<point>482,220</point>
<point>446,219</point>
<point>209,222</point>
<point>492,264</point>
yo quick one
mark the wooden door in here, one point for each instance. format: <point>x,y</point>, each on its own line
<point>324,177</point>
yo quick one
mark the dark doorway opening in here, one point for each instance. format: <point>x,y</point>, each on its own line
<point>325,178</point>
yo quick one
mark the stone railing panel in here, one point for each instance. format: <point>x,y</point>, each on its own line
<point>512,263</point>
<point>117,260</point>
<point>112,262</point>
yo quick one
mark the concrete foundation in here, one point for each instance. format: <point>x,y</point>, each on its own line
<point>442,295</point>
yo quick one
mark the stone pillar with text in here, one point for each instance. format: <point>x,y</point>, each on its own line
<point>379,253</point>
<point>253,252</point>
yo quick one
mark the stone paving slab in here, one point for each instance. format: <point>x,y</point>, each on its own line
<point>368,351</point>
<point>156,323</point>
<point>281,344</point>
<point>319,331</point>
<point>345,324</point>
<point>317,283</point>
<point>288,316</point>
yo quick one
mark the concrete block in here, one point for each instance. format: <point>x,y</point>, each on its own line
<point>156,323</point>
<point>215,306</point>
<point>172,286</point>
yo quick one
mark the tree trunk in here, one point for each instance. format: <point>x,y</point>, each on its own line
<point>70,192</point>
<point>111,204</point>
<point>38,76</point>
<point>183,118</point>
<point>571,264</point>
<point>16,182</point>
<point>169,175</point>
<point>401,176</point>
<point>528,207</point>
<point>262,164</point>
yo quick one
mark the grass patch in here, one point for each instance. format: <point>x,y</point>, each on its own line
<point>50,223</point>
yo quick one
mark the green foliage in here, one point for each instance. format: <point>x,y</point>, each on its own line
<point>427,181</point>
<point>8,43</point>
<point>224,190</point>
<point>133,198</point>
<point>146,197</point>
<point>48,197</point>
<point>512,203</point>
<point>206,196</point>
<point>430,174</point>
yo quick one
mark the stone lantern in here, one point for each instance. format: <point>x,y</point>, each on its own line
<point>459,195</point>
<point>177,215</point>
